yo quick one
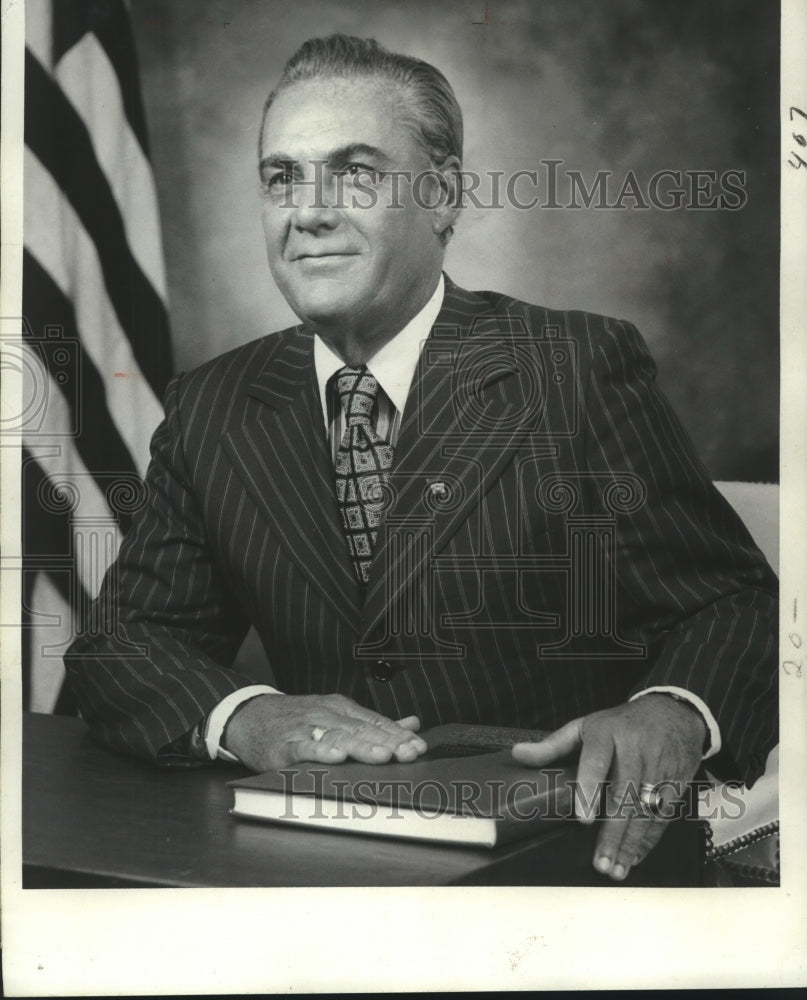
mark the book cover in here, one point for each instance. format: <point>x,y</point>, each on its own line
<point>466,789</point>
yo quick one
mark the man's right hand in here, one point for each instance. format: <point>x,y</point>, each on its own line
<point>275,730</point>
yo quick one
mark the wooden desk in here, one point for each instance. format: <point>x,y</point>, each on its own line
<point>95,819</point>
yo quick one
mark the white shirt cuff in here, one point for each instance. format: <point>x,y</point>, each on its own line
<point>220,716</point>
<point>693,699</point>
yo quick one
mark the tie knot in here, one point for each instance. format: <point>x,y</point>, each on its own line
<point>357,390</point>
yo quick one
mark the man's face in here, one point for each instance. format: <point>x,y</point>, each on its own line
<point>341,256</point>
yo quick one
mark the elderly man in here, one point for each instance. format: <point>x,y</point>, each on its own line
<point>433,505</point>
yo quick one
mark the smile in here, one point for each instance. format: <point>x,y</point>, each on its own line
<point>322,257</point>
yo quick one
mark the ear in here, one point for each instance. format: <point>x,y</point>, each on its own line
<point>447,208</point>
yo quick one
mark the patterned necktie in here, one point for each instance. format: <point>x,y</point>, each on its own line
<point>362,466</point>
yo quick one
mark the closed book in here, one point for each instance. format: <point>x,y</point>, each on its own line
<point>466,789</point>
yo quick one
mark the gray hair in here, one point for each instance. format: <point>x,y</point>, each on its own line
<point>432,106</point>
<point>429,106</point>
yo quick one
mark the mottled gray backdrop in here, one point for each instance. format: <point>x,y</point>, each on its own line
<point>615,85</point>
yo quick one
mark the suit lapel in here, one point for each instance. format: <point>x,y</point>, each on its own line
<point>464,418</point>
<point>278,447</point>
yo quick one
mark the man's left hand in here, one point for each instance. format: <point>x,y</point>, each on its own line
<point>650,740</point>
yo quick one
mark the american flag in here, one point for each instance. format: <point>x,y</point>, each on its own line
<point>96,348</point>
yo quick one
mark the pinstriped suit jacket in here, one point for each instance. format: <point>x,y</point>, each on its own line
<point>551,545</point>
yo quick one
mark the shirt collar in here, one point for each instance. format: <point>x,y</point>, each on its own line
<point>394,365</point>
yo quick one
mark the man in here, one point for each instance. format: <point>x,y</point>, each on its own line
<point>432,504</point>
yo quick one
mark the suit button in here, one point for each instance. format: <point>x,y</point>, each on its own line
<point>383,670</point>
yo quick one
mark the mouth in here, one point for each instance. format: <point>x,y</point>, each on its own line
<point>322,256</point>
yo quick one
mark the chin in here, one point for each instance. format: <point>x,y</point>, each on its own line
<point>326,303</point>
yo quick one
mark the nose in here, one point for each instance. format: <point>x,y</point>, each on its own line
<point>315,204</point>
<point>314,218</point>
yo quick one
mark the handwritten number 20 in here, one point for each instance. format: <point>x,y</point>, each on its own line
<point>791,666</point>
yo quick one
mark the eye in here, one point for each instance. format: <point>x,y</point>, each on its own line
<point>280,179</point>
<point>275,179</point>
<point>362,170</point>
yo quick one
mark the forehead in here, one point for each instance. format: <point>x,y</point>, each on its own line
<point>309,118</point>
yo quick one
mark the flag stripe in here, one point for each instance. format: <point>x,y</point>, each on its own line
<point>45,534</point>
<point>99,452</point>
<point>109,21</point>
<point>39,31</point>
<point>89,81</point>
<point>52,126</point>
<point>47,679</point>
<point>73,266</point>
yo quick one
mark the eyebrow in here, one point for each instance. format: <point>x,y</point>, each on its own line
<point>339,155</point>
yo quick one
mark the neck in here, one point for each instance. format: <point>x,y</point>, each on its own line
<point>358,341</point>
<point>355,349</point>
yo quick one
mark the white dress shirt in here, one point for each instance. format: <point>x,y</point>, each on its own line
<point>393,367</point>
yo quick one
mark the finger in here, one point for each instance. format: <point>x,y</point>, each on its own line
<point>672,802</point>
<point>337,745</point>
<point>392,735</point>
<point>340,737</point>
<point>411,722</point>
<point>297,751</point>
<point>340,744</point>
<point>414,746</point>
<point>407,752</point>
<point>636,830</point>
<point>369,743</point>
<point>596,760</point>
<point>625,823</point>
<point>652,836</point>
<point>394,731</point>
<point>342,718</point>
<point>561,743</point>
